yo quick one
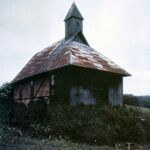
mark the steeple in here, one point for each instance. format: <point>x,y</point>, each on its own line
<point>73,12</point>
<point>73,21</point>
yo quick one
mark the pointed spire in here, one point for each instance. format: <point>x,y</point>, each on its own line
<point>73,12</point>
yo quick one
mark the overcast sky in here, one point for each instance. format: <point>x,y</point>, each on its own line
<point>119,29</point>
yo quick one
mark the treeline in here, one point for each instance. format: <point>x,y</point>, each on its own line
<point>142,101</point>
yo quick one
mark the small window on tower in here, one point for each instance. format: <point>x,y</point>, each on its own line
<point>77,24</point>
<point>52,80</point>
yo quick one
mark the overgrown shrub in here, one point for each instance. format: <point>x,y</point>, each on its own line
<point>33,113</point>
<point>6,102</point>
<point>90,124</point>
<point>6,91</point>
<point>146,126</point>
<point>82,123</point>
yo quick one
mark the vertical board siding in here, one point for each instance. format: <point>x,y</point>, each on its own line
<point>31,89</point>
<point>120,92</point>
<point>80,95</point>
<point>73,86</point>
<point>41,88</point>
<point>16,92</point>
<point>73,26</point>
<point>26,90</point>
<point>115,93</point>
<point>37,86</point>
<point>61,87</point>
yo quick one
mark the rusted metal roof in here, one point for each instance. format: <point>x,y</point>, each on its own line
<point>64,53</point>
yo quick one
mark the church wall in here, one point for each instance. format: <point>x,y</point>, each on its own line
<point>115,92</point>
<point>31,89</point>
<point>87,87</point>
<point>73,85</point>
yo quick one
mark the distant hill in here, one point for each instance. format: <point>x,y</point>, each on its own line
<point>142,101</point>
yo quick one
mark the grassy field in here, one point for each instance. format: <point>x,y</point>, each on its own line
<point>142,109</point>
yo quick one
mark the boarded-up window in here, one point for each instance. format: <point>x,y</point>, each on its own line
<point>41,88</point>
<point>86,96</point>
<point>80,95</point>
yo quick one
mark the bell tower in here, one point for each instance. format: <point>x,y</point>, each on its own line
<point>73,22</point>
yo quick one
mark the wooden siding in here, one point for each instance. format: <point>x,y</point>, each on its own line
<point>16,92</point>
<point>79,95</point>
<point>31,89</point>
<point>73,85</point>
<point>73,26</point>
<point>115,92</point>
<point>41,88</point>
<point>25,90</point>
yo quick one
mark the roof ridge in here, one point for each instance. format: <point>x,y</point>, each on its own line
<point>59,49</point>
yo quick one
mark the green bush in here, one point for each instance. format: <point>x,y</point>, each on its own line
<point>88,124</point>
<point>6,92</point>
<point>6,102</point>
<point>33,113</point>
<point>82,123</point>
<point>146,126</point>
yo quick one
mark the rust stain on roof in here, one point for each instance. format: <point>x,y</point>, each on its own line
<point>64,53</point>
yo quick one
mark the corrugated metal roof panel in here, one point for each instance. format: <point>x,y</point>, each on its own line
<point>63,53</point>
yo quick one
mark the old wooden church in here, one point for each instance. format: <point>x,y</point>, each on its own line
<point>70,71</point>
